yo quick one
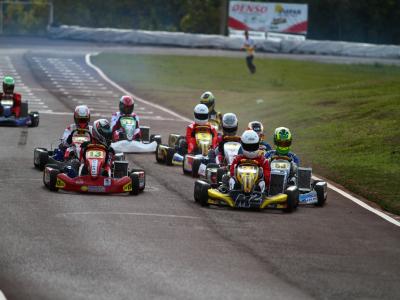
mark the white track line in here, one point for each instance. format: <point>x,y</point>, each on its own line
<point>341,192</point>
<point>120,88</point>
<point>2,297</point>
<point>362,204</point>
<point>128,214</point>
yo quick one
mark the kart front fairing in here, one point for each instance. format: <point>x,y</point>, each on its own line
<point>134,146</point>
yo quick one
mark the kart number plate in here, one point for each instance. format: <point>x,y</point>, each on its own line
<point>80,139</point>
<point>126,122</point>
<point>96,189</point>
<point>95,154</point>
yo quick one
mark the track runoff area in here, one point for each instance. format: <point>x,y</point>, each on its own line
<point>73,80</point>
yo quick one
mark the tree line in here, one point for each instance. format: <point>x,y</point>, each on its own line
<point>371,21</point>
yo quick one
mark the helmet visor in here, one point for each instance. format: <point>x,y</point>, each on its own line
<point>229,129</point>
<point>286,143</point>
<point>250,147</point>
<point>201,117</point>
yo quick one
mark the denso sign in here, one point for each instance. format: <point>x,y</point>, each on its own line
<point>268,17</point>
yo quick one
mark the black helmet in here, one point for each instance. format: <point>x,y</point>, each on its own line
<point>102,131</point>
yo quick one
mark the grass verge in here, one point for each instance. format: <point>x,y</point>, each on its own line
<point>345,119</point>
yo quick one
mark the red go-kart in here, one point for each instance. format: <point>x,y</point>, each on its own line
<point>94,177</point>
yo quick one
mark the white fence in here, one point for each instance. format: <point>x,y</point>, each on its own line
<point>179,39</point>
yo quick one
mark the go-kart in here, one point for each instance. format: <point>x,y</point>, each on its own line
<point>26,118</point>
<point>93,177</point>
<point>43,156</point>
<point>245,193</point>
<point>165,153</point>
<point>285,173</point>
<point>210,168</point>
<point>192,162</point>
<point>124,141</point>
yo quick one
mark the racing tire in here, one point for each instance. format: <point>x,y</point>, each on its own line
<point>155,138</point>
<point>43,160</point>
<point>292,199</point>
<point>24,110</point>
<point>158,158</point>
<point>320,194</point>
<point>170,156</point>
<point>220,174</point>
<point>34,119</point>
<point>201,192</point>
<point>135,184</point>
<point>195,167</point>
<point>53,179</point>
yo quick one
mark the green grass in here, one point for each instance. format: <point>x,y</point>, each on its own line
<point>345,118</point>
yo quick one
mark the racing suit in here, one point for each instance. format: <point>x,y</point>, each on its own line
<point>109,157</point>
<point>293,157</point>
<point>17,98</point>
<point>116,125</point>
<point>215,116</point>
<point>191,139</point>
<point>220,154</point>
<point>261,162</point>
<point>265,146</point>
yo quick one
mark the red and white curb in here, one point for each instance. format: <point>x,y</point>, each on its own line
<point>330,186</point>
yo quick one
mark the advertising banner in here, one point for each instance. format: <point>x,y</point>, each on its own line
<point>268,17</point>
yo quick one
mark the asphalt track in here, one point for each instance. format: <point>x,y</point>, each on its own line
<point>160,244</point>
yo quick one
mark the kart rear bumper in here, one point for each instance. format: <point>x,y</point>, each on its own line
<point>134,146</point>
<point>12,121</point>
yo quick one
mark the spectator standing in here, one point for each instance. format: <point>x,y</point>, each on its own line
<point>249,46</point>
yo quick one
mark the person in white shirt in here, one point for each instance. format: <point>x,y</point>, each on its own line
<point>249,46</point>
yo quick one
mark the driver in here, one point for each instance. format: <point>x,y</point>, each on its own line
<point>250,144</point>
<point>200,119</point>
<point>101,135</point>
<point>259,128</point>
<point>282,141</point>
<point>81,121</point>
<point>229,134</point>
<point>8,94</point>
<point>126,107</point>
<point>208,99</point>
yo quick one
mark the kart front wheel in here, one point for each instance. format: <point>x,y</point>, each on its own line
<point>201,192</point>
<point>195,167</point>
<point>170,156</point>
<point>158,158</point>
<point>320,188</point>
<point>135,184</point>
<point>292,199</point>
<point>51,185</point>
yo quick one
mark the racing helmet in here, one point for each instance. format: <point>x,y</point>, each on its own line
<point>102,132</point>
<point>8,85</point>
<point>282,140</point>
<point>257,127</point>
<point>82,116</point>
<point>208,99</point>
<point>126,105</point>
<point>250,143</point>
<point>229,124</point>
<point>201,114</point>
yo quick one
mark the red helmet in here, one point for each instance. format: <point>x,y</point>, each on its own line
<point>126,105</point>
<point>82,116</point>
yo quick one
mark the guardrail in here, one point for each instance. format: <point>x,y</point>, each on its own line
<point>190,40</point>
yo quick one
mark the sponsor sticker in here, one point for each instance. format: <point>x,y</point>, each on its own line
<point>84,188</point>
<point>202,169</point>
<point>60,184</point>
<point>127,187</point>
<point>96,189</point>
<point>107,181</point>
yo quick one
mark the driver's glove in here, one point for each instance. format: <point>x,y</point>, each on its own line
<point>261,185</point>
<point>232,182</point>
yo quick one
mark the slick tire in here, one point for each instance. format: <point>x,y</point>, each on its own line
<point>201,192</point>
<point>34,120</point>
<point>183,167</point>
<point>53,180</point>
<point>195,167</point>
<point>135,184</point>
<point>155,138</point>
<point>292,200</point>
<point>43,159</point>
<point>159,159</point>
<point>320,194</point>
<point>170,156</point>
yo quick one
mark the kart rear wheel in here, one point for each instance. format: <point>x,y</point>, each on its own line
<point>320,194</point>
<point>135,184</point>
<point>183,167</point>
<point>292,199</point>
<point>201,192</point>
<point>170,156</point>
<point>34,119</point>
<point>158,158</point>
<point>195,167</point>
<point>43,158</point>
<point>155,138</point>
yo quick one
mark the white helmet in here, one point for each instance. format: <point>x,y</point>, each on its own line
<point>229,124</point>
<point>201,114</point>
<point>250,143</point>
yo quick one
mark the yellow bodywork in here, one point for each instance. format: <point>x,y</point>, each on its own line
<point>203,140</point>
<point>215,197</point>
<point>247,175</point>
